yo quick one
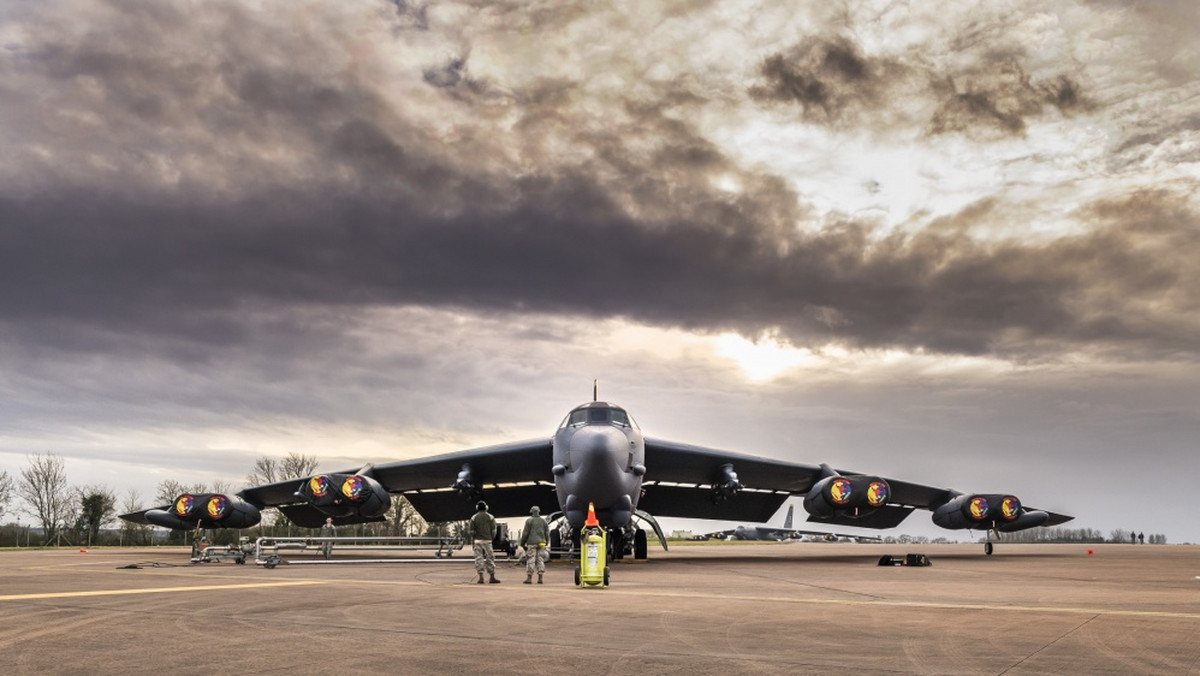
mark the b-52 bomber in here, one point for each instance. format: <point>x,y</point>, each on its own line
<point>785,534</point>
<point>599,456</point>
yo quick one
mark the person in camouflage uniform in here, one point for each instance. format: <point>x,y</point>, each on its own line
<point>534,537</point>
<point>483,531</point>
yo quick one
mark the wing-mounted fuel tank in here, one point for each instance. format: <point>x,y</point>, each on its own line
<point>846,496</point>
<point>986,512</point>
<point>205,510</point>
<point>346,494</point>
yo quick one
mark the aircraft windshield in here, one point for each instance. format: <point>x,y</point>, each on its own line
<point>597,416</point>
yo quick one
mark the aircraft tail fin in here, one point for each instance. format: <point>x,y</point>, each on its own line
<point>787,523</point>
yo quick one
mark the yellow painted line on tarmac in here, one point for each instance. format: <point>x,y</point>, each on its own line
<point>154,590</point>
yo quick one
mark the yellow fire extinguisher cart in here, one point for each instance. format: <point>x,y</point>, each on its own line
<point>593,559</point>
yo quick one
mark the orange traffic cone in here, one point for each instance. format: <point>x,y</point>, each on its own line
<point>591,522</point>
<point>82,550</point>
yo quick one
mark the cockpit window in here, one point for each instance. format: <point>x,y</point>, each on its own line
<point>596,416</point>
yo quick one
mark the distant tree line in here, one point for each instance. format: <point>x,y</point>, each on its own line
<point>1083,535</point>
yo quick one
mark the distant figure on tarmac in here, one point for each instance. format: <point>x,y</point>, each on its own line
<point>327,532</point>
<point>534,537</point>
<point>1141,538</point>
<point>1133,538</point>
<point>483,531</point>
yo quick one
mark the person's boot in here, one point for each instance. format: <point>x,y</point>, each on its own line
<point>539,578</point>
<point>493,579</point>
<point>480,580</point>
<point>529,579</point>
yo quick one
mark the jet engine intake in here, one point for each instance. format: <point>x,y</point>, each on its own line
<point>345,495</point>
<point>726,485</point>
<point>205,510</point>
<point>465,484</point>
<point>851,496</point>
<point>979,511</point>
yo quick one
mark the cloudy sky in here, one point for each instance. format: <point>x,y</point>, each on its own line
<point>954,243</point>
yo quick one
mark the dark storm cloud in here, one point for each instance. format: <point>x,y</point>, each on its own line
<point>412,15</point>
<point>827,78</point>
<point>269,169</point>
<point>1002,98</point>
<point>833,82</point>
<point>565,248</point>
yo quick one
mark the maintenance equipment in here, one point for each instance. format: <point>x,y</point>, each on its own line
<point>593,565</point>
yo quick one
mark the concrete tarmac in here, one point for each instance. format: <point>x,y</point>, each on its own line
<point>718,608</point>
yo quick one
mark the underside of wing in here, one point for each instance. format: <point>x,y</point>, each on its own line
<point>511,477</point>
<point>889,516</point>
<point>692,502</point>
<point>503,501</point>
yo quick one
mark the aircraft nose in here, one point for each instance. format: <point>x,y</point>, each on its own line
<point>600,448</point>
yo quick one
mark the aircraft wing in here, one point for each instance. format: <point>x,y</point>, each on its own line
<point>139,517</point>
<point>679,480</point>
<point>766,533</point>
<point>1055,519</point>
<point>795,534</point>
<point>512,476</point>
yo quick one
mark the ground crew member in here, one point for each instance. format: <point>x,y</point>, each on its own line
<point>483,531</point>
<point>534,537</point>
<point>327,531</point>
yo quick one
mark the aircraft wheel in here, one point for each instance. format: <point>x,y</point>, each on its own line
<point>606,576</point>
<point>987,548</point>
<point>639,544</point>
<point>555,544</point>
<point>577,580</point>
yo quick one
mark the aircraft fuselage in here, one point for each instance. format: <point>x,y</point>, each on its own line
<point>599,458</point>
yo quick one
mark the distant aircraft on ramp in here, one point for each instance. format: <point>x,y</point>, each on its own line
<point>787,533</point>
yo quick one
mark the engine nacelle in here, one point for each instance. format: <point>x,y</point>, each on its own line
<point>852,496</point>
<point>205,510</point>
<point>726,483</point>
<point>1002,512</point>
<point>345,495</point>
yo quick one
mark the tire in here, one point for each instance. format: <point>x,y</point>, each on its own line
<point>639,544</point>
<point>987,548</point>
<point>606,576</point>
<point>577,580</point>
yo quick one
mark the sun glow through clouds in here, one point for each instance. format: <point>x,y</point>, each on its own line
<point>764,358</point>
